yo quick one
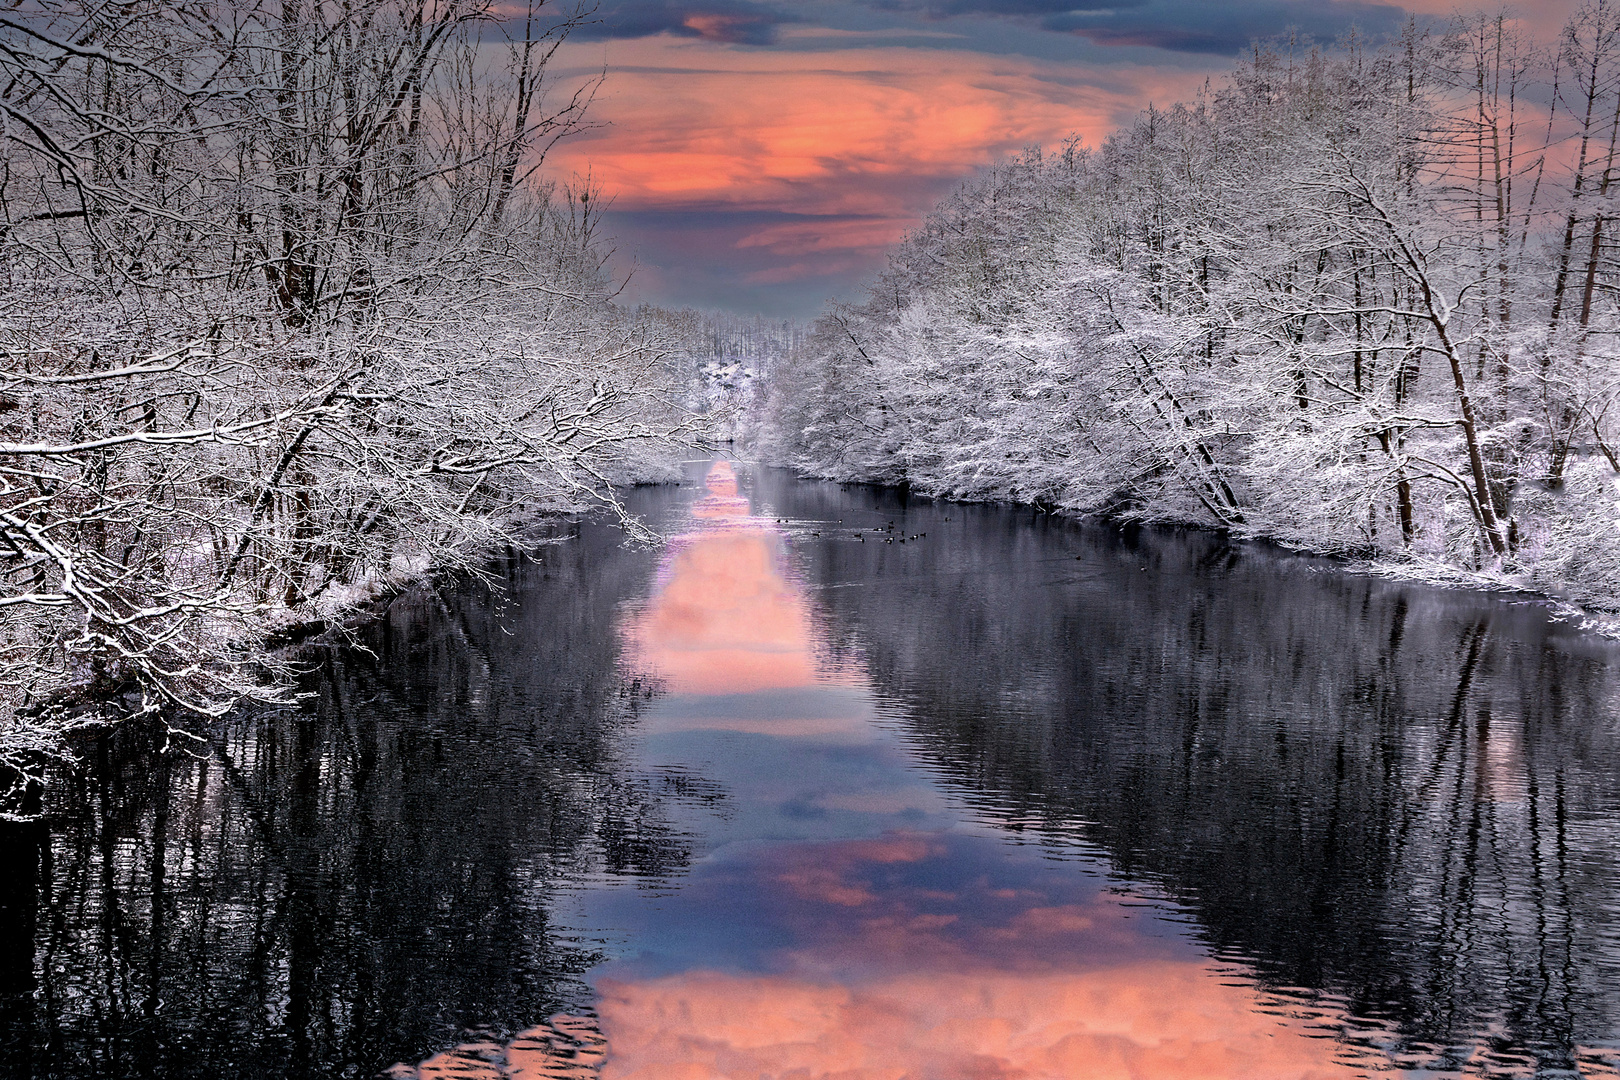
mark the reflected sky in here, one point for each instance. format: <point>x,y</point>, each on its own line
<point>845,919</point>
<point>749,700</point>
<point>935,955</point>
<point>935,804</point>
<point>725,620</point>
<point>1017,796</point>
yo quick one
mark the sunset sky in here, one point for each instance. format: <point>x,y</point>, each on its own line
<point>762,155</point>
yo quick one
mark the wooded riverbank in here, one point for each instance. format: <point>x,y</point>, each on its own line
<point>1359,300</point>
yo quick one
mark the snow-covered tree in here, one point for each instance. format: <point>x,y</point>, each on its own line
<point>287,309</point>
<point>1360,299</point>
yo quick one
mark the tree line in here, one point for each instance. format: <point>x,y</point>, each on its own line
<point>286,308</point>
<point>1358,298</point>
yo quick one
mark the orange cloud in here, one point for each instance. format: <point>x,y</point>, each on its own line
<point>700,140</point>
<point>841,130</point>
<point>697,128</point>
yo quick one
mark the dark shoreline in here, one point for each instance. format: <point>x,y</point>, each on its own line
<point>1446,576</point>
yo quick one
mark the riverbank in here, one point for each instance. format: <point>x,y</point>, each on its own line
<point>1566,601</point>
<point>64,721</point>
<point>1140,330</point>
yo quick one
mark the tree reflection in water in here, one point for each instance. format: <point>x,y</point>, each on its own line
<point>322,892</point>
<point>1208,811</point>
<point>908,953</point>
<point>1400,797</point>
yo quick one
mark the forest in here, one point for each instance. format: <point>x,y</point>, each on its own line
<point>295,314</point>
<point>350,707</point>
<point>1359,299</point>
<point>291,311</point>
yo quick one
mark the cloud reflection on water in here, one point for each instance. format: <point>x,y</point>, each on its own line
<point>945,954</point>
<point>725,620</point>
<point>936,955</point>
<point>913,954</point>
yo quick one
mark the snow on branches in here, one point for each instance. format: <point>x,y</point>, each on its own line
<point>1359,300</point>
<point>287,310</point>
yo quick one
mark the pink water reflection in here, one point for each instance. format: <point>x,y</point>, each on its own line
<point>907,956</point>
<point>725,619</point>
<point>892,975</point>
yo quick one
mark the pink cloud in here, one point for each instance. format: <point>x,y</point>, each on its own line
<point>832,234</point>
<point>836,131</point>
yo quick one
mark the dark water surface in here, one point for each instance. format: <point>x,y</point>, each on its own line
<point>790,798</point>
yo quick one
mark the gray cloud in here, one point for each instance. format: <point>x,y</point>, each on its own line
<point>1219,27</point>
<point>732,21</point>
<point>1201,26</point>
<point>945,8</point>
<point>690,256</point>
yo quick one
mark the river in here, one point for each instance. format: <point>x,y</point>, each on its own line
<point>841,783</point>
